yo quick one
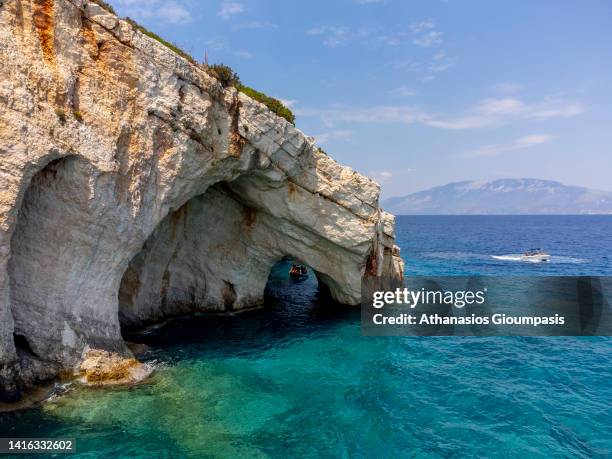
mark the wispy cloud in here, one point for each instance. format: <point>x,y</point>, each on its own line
<point>494,112</point>
<point>403,91</point>
<point>427,35</point>
<point>429,68</point>
<point>521,143</point>
<point>421,34</point>
<point>385,176</point>
<point>229,9</point>
<point>333,36</point>
<point>566,111</point>
<point>243,54</point>
<point>173,12</point>
<point>377,114</point>
<point>431,38</point>
<point>340,134</point>
<point>423,26</point>
<point>288,102</point>
<point>486,113</point>
<point>255,25</point>
<point>439,62</point>
<point>215,44</point>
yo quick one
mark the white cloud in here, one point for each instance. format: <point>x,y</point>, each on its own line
<point>495,112</point>
<point>418,27</point>
<point>243,54</point>
<point>403,91</point>
<point>333,36</point>
<point>427,35</point>
<point>377,114</point>
<point>506,106</point>
<point>174,12</point>
<point>429,39</point>
<point>566,111</point>
<point>229,9</point>
<point>215,44</point>
<point>256,25</point>
<point>409,65</point>
<point>518,144</point>
<point>486,113</point>
<point>288,102</point>
<point>439,62</point>
<point>428,69</point>
<point>385,176</point>
<point>341,134</point>
<point>390,40</point>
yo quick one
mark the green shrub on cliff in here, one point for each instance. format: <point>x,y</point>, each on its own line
<point>226,76</point>
<point>167,44</point>
<point>273,104</point>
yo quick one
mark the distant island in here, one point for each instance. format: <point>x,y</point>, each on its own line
<point>502,196</point>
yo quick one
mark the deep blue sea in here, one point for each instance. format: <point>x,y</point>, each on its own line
<point>298,380</point>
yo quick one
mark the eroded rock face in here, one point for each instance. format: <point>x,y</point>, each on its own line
<point>124,165</point>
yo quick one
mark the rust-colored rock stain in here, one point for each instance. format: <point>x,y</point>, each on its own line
<point>45,26</point>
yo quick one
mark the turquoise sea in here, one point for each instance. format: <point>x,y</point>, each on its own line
<point>298,380</point>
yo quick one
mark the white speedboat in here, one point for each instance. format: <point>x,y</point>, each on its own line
<point>535,255</point>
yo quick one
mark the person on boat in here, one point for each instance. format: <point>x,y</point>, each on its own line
<point>297,270</point>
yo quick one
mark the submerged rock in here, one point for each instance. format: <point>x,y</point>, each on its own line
<point>133,185</point>
<point>103,368</point>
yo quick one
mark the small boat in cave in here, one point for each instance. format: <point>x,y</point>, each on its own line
<point>298,272</point>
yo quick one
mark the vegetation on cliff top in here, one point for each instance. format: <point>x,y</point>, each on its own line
<point>273,104</point>
<point>167,44</point>
<point>105,5</point>
<point>228,77</point>
<point>224,73</point>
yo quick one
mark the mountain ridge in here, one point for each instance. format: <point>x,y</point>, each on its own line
<point>502,196</point>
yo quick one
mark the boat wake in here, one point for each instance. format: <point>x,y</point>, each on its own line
<point>507,257</point>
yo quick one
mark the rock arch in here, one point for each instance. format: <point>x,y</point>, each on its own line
<point>154,144</point>
<point>215,254</point>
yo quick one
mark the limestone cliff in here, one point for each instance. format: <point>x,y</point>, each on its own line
<point>133,184</point>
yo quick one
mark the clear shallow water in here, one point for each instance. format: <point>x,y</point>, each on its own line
<point>298,379</point>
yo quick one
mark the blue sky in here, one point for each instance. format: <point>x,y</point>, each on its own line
<point>420,93</point>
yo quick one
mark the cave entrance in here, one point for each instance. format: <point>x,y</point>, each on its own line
<point>59,229</point>
<point>287,291</point>
<point>219,253</point>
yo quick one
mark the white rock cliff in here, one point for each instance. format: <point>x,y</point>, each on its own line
<point>133,185</point>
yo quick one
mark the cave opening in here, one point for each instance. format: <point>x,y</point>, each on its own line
<point>216,253</point>
<point>64,253</point>
<point>38,258</point>
<point>288,291</point>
